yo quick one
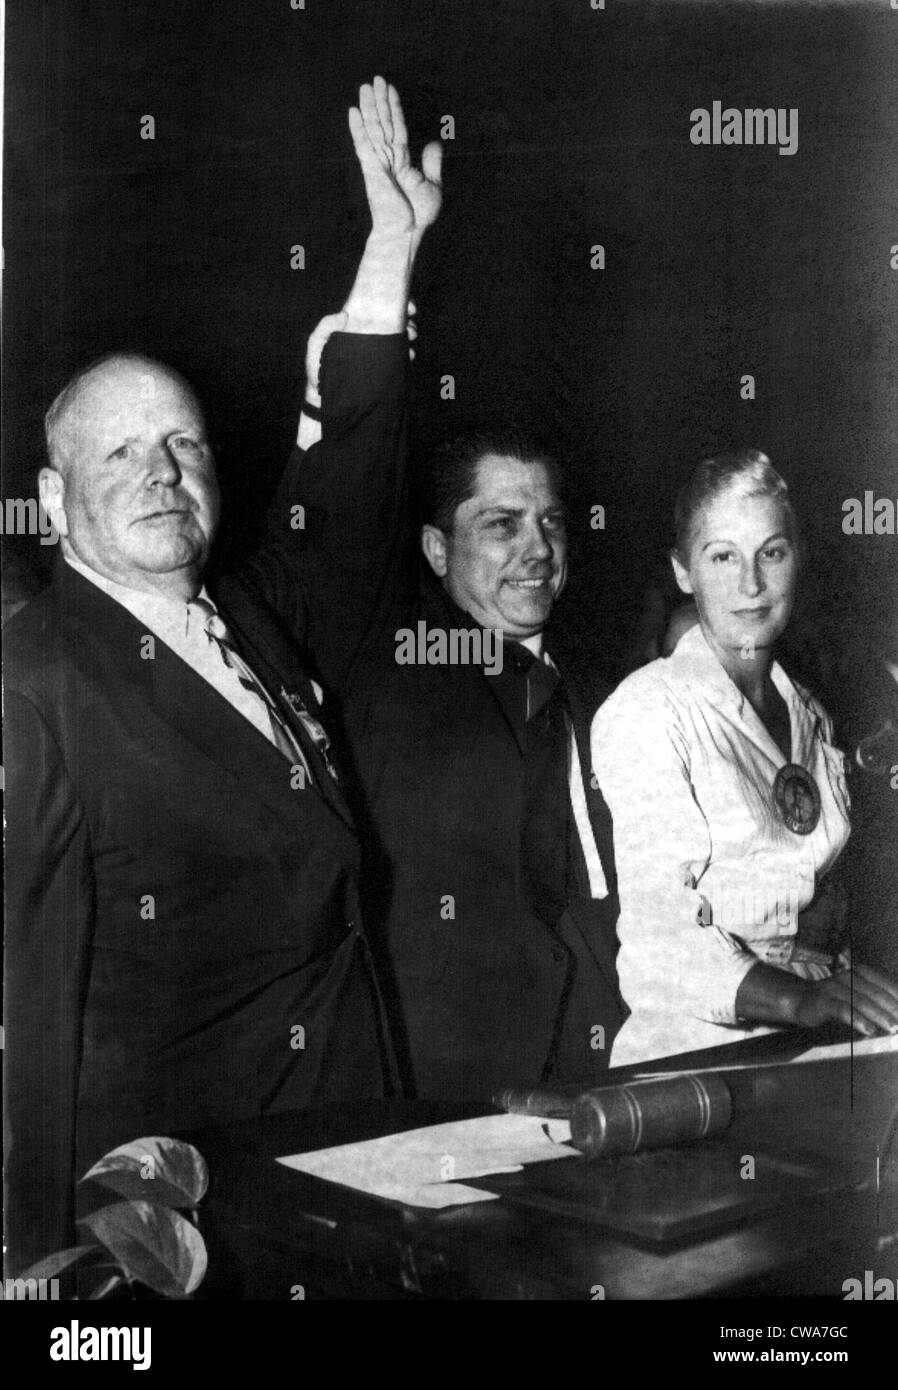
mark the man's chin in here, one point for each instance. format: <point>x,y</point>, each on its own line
<point>176,557</point>
<point>530,608</point>
<point>526,620</point>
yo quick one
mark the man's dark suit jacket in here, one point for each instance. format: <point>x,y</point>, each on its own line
<point>176,910</point>
<point>493,995</point>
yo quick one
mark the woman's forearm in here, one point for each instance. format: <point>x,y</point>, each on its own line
<point>769,995</point>
<point>861,998</point>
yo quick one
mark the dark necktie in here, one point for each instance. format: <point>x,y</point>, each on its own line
<point>541,680</point>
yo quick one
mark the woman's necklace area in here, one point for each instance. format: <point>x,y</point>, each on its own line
<point>796,796</point>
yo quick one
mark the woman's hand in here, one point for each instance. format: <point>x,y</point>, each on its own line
<point>860,997</point>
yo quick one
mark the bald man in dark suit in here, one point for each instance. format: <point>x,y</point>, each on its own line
<point>184,945</point>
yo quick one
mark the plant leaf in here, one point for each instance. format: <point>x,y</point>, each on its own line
<point>166,1171</point>
<point>56,1263</point>
<point>106,1287</point>
<point>153,1244</point>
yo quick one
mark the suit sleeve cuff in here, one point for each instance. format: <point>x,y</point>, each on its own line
<point>358,370</point>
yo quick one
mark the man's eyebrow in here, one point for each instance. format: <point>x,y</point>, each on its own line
<point>557,508</point>
<point>500,510</point>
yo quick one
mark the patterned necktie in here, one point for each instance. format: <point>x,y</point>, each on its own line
<point>284,739</point>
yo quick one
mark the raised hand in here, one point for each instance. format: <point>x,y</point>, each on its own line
<point>402,198</point>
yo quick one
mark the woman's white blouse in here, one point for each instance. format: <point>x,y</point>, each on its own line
<point>710,880</point>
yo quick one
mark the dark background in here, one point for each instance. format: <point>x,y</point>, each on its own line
<point>572,128</point>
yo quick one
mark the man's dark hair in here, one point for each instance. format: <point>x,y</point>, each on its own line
<point>449,475</point>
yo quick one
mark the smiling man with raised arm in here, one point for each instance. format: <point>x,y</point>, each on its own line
<point>488,852</point>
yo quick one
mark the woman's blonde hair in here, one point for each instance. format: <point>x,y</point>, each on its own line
<point>749,468</point>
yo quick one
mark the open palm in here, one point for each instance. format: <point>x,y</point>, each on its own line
<point>401,197</point>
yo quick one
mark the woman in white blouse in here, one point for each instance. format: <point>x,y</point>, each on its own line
<point>729,799</point>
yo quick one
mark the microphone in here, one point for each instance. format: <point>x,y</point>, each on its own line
<point>879,753</point>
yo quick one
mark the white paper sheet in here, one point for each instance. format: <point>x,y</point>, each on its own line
<point>429,1167</point>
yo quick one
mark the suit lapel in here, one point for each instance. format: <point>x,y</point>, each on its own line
<point>189,705</point>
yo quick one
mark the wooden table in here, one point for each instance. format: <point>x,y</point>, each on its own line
<point>680,1223</point>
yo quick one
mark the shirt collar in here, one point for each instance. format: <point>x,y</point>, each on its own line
<point>533,644</point>
<point>154,609</point>
<point>700,664</point>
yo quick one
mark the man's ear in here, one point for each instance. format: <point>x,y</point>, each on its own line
<point>51,489</point>
<point>433,543</point>
<point>681,573</point>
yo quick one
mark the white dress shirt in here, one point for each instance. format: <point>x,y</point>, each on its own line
<point>182,627</point>
<point>710,880</point>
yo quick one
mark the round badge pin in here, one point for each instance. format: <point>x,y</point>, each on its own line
<point>796,799</point>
